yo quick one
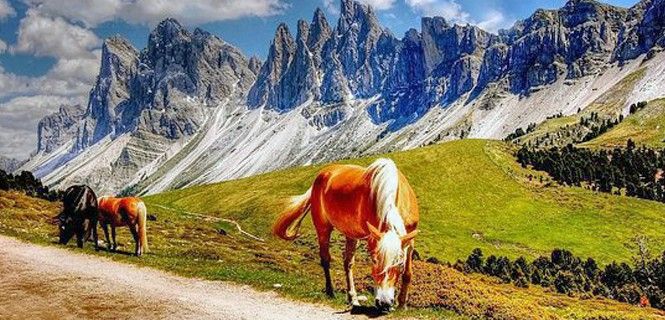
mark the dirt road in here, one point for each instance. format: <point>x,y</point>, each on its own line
<point>49,283</point>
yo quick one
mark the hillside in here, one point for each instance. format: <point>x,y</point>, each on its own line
<point>471,192</point>
<point>645,127</point>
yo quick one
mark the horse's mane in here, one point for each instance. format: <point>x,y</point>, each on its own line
<point>385,185</point>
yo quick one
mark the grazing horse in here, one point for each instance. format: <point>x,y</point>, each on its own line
<point>119,212</point>
<point>374,203</point>
<point>79,206</point>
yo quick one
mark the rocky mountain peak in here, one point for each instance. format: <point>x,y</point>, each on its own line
<point>255,64</point>
<point>303,32</point>
<point>358,17</point>
<point>319,33</point>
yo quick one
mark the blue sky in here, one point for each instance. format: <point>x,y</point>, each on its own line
<point>49,49</point>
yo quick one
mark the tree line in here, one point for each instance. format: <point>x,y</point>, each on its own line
<point>641,283</point>
<point>633,171</point>
<point>26,182</point>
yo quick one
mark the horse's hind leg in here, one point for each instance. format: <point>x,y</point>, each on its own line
<point>324,252</point>
<point>135,234</point>
<point>115,243</point>
<point>349,259</point>
<point>105,227</point>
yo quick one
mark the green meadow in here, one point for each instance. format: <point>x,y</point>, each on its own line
<point>472,193</point>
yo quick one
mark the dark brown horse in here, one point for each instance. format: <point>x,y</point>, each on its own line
<point>79,207</point>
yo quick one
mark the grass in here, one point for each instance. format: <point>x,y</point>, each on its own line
<point>645,127</point>
<point>471,193</point>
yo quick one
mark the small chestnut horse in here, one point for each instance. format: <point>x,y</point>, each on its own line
<point>119,212</point>
<point>374,203</point>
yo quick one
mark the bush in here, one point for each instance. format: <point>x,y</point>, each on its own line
<point>567,274</point>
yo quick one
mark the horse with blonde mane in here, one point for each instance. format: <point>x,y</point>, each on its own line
<point>374,203</point>
<point>119,212</point>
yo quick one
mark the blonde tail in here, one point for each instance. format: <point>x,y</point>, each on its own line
<point>143,217</point>
<point>288,223</point>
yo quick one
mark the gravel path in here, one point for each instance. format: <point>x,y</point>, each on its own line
<point>50,283</point>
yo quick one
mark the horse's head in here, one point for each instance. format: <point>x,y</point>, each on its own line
<point>388,257</point>
<point>65,226</point>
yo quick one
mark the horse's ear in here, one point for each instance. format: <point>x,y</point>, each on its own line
<point>407,238</point>
<point>373,231</point>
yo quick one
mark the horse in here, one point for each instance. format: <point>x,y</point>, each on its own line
<point>79,206</point>
<point>119,212</point>
<point>374,203</point>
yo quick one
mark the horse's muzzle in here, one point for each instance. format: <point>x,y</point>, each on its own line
<point>383,306</point>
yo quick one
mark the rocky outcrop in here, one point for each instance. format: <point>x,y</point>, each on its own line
<point>9,165</point>
<point>59,128</point>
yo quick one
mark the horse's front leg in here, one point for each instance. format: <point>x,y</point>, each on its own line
<point>95,236</point>
<point>80,236</point>
<point>406,278</point>
<point>324,253</point>
<point>349,259</point>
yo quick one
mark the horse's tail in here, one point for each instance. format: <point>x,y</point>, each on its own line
<point>288,223</point>
<point>143,217</point>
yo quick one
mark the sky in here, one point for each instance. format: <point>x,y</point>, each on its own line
<point>50,49</point>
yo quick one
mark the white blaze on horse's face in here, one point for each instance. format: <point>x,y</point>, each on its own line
<point>388,260</point>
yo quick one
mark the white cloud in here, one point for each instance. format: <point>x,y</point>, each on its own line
<point>494,20</point>
<point>380,4</point>
<point>453,12</point>
<point>26,100</point>
<point>6,10</point>
<point>331,6</point>
<point>44,35</point>
<point>3,46</point>
<point>449,9</point>
<point>94,12</point>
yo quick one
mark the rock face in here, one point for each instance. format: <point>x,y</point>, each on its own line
<point>158,97</point>
<point>59,128</point>
<point>165,89</point>
<point>443,62</point>
<point>191,104</point>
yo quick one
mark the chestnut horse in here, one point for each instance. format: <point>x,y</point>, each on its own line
<point>374,203</point>
<point>119,212</point>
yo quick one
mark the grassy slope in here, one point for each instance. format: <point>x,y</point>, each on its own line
<point>472,195</point>
<point>645,127</point>
<point>608,106</point>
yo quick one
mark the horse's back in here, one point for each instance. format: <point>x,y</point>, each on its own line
<point>119,211</point>
<point>79,199</point>
<point>344,193</point>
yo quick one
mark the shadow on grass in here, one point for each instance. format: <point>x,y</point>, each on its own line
<point>370,312</point>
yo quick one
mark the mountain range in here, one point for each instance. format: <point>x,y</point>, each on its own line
<point>191,109</point>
